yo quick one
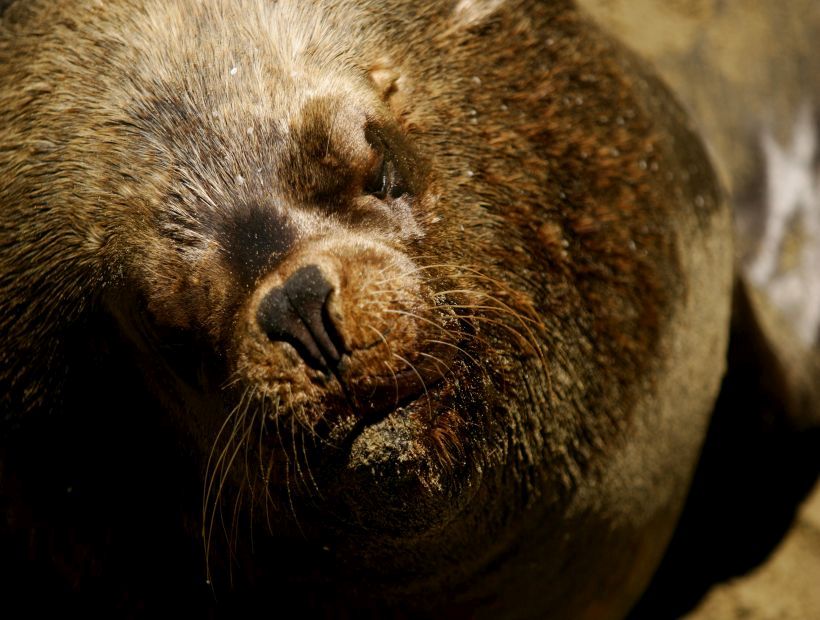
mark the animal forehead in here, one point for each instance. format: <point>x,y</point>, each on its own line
<point>329,128</point>
<point>284,37</point>
<point>254,65</point>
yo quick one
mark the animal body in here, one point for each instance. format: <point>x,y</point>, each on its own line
<point>385,307</point>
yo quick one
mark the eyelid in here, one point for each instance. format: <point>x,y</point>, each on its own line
<point>377,183</point>
<point>384,179</point>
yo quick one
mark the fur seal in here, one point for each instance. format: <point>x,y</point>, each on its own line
<point>364,306</point>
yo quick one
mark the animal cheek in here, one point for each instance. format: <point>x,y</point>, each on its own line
<point>190,295</point>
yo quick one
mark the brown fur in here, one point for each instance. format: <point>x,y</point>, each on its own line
<point>555,274</point>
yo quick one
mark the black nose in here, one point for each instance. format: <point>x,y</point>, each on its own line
<point>297,313</point>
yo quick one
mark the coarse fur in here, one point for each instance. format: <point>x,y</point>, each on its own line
<point>531,317</point>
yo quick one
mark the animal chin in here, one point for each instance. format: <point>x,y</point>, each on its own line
<point>389,476</point>
<point>381,456</point>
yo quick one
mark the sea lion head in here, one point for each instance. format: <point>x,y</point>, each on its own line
<point>297,236</point>
<point>403,305</point>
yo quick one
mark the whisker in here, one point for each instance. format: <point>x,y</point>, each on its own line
<point>459,269</point>
<point>439,363</point>
<point>210,479</point>
<point>457,348</point>
<point>308,469</point>
<point>288,483</point>
<point>423,384</point>
<point>217,504</point>
<point>389,350</point>
<point>501,307</point>
<point>206,488</point>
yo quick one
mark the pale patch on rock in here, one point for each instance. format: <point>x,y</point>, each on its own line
<point>787,260</point>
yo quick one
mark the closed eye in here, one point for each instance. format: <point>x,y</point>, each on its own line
<point>384,180</point>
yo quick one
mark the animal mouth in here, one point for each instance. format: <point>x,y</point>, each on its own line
<point>372,379</point>
<point>416,389</point>
<point>377,396</point>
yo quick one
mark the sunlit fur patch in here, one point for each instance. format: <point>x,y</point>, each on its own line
<point>472,12</point>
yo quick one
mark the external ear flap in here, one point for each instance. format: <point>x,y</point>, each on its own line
<point>390,85</point>
<point>468,13</point>
<point>386,78</point>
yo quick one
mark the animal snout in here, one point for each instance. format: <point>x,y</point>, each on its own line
<point>297,313</point>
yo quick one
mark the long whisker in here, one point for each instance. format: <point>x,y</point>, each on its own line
<point>457,348</point>
<point>209,481</point>
<point>501,306</point>
<point>458,269</point>
<point>288,482</point>
<point>265,469</point>
<point>224,470</point>
<point>423,384</point>
<point>439,363</point>
<point>308,469</point>
<point>392,372</point>
<point>211,469</point>
<point>449,332</point>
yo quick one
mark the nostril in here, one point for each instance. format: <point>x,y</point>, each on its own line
<point>297,313</point>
